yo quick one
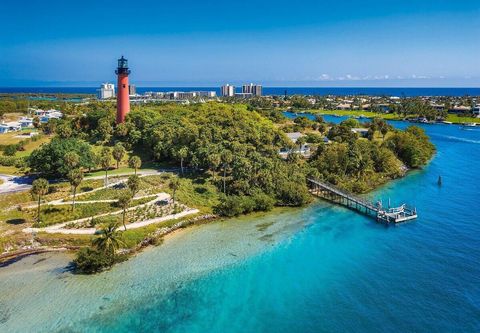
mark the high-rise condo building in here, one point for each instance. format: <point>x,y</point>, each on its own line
<point>132,90</point>
<point>106,90</point>
<point>254,89</point>
<point>228,90</point>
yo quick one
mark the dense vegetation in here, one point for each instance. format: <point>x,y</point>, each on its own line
<point>238,148</point>
<point>226,156</point>
<point>49,159</point>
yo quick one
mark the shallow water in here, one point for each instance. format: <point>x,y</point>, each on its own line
<point>318,269</point>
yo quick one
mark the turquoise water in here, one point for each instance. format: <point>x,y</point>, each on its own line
<point>318,269</point>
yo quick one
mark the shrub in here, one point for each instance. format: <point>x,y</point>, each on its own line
<point>10,150</point>
<point>235,205</point>
<point>263,202</point>
<point>49,159</point>
<point>230,206</point>
<point>89,260</point>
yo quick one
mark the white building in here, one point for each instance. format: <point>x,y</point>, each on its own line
<point>26,122</point>
<point>254,89</point>
<point>228,90</point>
<point>106,90</point>
<point>208,94</point>
<point>45,116</point>
<point>10,127</point>
<point>304,149</point>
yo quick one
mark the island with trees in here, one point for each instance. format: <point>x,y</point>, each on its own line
<point>106,190</point>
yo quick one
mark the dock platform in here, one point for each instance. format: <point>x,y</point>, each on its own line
<point>332,193</point>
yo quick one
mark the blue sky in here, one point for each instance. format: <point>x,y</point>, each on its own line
<point>276,43</point>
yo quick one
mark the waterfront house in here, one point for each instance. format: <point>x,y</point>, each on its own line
<point>362,132</point>
<point>46,115</point>
<point>304,149</point>
<point>10,127</point>
<point>460,109</point>
<point>26,122</point>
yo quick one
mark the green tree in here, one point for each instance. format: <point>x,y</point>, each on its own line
<point>300,142</point>
<point>105,161</point>
<point>10,150</point>
<point>36,122</point>
<point>39,189</point>
<point>133,184</point>
<point>71,160</point>
<point>182,155</point>
<point>118,152</point>
<point>227,158</point>
<point>135,163</point>
<point>64,130</point>
<point>174,185</point>
<point>75,177</point>
<point>104,129</point>
<point>49,160</point>
<point>90,260</point>
<point>124,201</point>
<point>384,130</point>
<point>214,161</point>
<point>109,240</point>
<point>371,134</point>
<point>121,130</point>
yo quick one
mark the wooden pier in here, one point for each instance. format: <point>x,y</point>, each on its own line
<point>389,215</point>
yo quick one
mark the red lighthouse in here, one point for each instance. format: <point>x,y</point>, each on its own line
<point>123,100</point>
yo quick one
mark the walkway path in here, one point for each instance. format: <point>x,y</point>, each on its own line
<point>12,184</point>
<point>92,231</point>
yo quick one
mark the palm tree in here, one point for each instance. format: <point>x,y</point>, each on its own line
<point>135,162</point>
<point>174,185</point>
<point>109,239</point>
<point>214,160</point>
<point>133,184</point>
<point>124,201</point>
<point>182,154</point>
<point>105,160</point>
<point>118,153</point>
<point>301,141</point>
<point>75,178</point>
<point>39,189</point>
<point>71,159</point>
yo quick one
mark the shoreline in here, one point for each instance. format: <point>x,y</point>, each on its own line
<point>161,234</point>
<point>367,114</point>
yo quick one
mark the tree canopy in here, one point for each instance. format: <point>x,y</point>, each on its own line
<point>49,160</point>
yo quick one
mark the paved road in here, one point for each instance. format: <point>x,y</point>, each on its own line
<point>12,184</point>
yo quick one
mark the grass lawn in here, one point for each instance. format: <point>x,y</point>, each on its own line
<point>10,137</point>
<point>32,145</point>
<point>357,113</point>
<point>388,116</point>
<point>197,192</point>
<point>50,214</point>
<point>10,170</point>
<point>457,119</point>
<point>111,172</point>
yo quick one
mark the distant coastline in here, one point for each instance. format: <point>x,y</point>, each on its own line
<point>343,91</point>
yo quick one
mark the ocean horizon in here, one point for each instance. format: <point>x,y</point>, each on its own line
<point>339,91</point>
